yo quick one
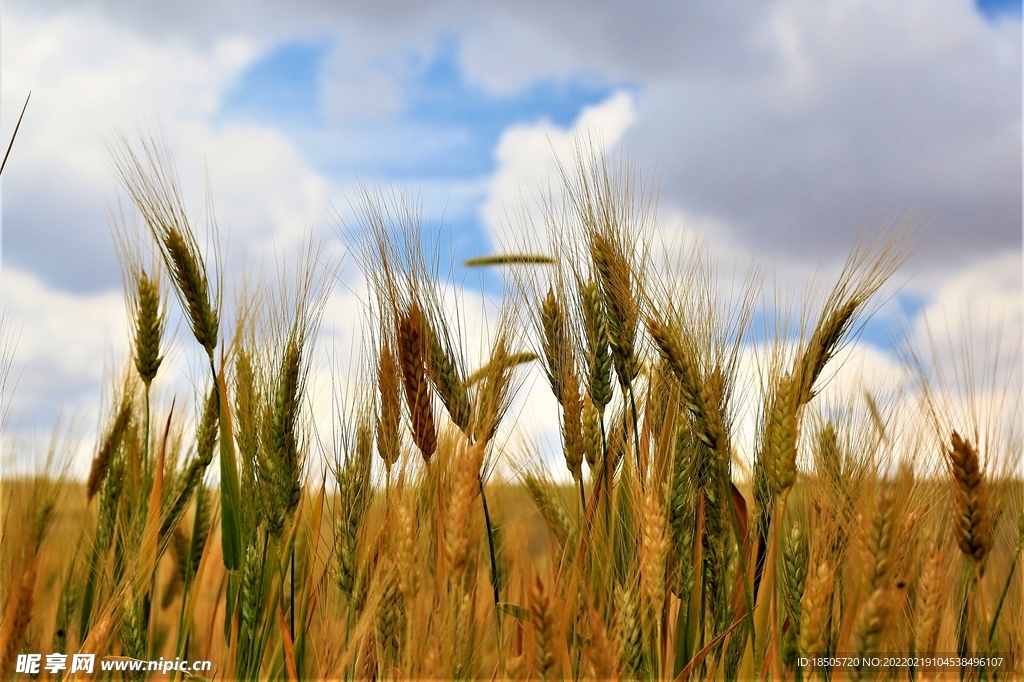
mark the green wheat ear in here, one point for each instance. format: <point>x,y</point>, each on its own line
<point>510,259</point>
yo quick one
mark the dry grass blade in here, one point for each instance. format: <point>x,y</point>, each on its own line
<point>510,259</point>
<point>511,361</point>
<point>14,135</point>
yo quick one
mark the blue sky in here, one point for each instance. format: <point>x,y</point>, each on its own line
<point>283,88</point>
<point>995,9</point>
<point>462,121</point>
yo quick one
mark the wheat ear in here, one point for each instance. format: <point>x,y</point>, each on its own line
<point>17,618</point>
<point>592,426</point>
<point>149,327</point>
<point>931,599</point>
<point>783,435</point>
<point>542,624</point>
<point>111,441</point>
<point>653,552</point>
<point>870,625</point>
<point>880,537</point>
<point>814,610</point>
<point>417,391</point>
<point>599,357</point>
<point>465,486</point>
<point>970,497</point>
<point>630,631</point>
<point>389,377</point>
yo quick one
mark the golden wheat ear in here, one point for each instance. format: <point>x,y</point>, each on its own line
<point>814,609</point>
<point>18,617</point>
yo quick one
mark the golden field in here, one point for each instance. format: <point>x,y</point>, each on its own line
<point>433,549</point>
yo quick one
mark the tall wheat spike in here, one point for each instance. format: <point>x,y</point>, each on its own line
<point>417,391</point>
<point>972,524</point>
<point>149,179</point>
<point>18,617</point>
<point>814,610</point>
<point>389,377</point>
<point>543,628</point>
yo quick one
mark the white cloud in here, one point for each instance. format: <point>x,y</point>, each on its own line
<point>61,281</point>
<point>62,338</point>
<point>528,157</point>
<point>89,77</point>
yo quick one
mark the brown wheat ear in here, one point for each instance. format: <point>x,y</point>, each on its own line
<point>417,392</point>
<point>973,524</point>
<point>389,377</point>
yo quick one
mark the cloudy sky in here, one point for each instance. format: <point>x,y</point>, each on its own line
<point>774,129</point>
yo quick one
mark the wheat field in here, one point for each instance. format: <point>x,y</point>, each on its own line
<point>852,541</point>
